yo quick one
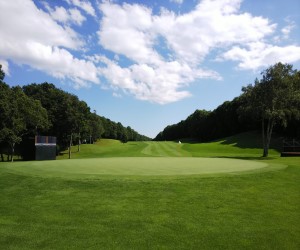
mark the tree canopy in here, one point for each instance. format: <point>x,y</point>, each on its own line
<point>20,115</point>
<point>273,99</point>
<point>46,110</point>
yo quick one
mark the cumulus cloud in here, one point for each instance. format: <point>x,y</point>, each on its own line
<point>65,16</point>
<point>84,5</point>
<point>145,82</point>
<point>27,23</point>
<point>177,1</point>
<point>32,37</point>
<point>133,27</point>
<point>160,84</point>
<point>213,24</point>
<point>259,54</point>
<point>157,56</point>
<point>156,76</point>
<point>152,75</point>
<point>287,30</point>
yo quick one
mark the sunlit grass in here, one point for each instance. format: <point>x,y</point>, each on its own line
<point>67,210</point>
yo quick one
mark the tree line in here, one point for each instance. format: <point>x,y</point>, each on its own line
<point>43,109</point>
<point>271,103</point>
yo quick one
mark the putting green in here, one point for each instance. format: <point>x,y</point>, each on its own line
<point>139,166</point>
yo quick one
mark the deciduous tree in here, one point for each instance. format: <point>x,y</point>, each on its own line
<point>19,115</point>
<point>270,99</point>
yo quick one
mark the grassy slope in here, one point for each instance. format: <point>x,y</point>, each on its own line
<point>254,211</point>
<point>242,145</point>
<point>106,148</point>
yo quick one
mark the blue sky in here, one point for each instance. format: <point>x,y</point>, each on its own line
<point>147,64</point>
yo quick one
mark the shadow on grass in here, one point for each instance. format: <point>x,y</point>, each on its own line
<point>66,153</point>
<point>254,158</point>
<point>252,139</point>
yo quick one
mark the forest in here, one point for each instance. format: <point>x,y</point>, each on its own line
<point>271,104</point>
<point>43,109</point>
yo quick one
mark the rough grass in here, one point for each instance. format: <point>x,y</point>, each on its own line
<point>257,210</point>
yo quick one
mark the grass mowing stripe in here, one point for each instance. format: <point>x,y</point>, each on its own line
<point>165,149</point>
<point>150,149</point>
<point>155,149</point>
<point>174,149</point>
<point>169,149</point>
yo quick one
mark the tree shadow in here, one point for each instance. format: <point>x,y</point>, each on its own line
<point>254,158</point>
<point>252,140</point>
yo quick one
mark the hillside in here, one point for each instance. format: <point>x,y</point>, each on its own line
<point>241,145</point>
<point>246,144</point>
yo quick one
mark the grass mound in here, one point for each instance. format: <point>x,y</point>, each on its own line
<point>134,166</point>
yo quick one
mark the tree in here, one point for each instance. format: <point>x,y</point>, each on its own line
<point>95,128</point>
<point>269,99</point>
<point>67,114</point>
<point>4,109</point>
<point>71,118</point>
<point>20,115</point>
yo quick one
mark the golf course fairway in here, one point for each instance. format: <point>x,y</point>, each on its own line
<point>135,166</point>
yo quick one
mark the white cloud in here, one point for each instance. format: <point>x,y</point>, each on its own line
<point>76,16</point>
<point>177,1</point>
<point>130,33</point>
<point>62,15</point>
<point>27,23</point>
<point>213,25</point>
<point>117,95</point>
<point>5,66</point>
<point>84,5</point>
<point>161,84</point>
<point>287,30</point>
<point>151,77</point>
<point>257,55</point>
<point>156,55</point>
<point>32,37</point>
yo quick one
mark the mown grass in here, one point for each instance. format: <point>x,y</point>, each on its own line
<point>242,145</point>
<point>105,148</point>
<point>258,210</point>
<point>96,168</point>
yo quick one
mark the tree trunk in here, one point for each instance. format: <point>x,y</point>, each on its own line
<point>2,157</point>
<point>79,142</point>
<point>263,137</point>
<point>12,152</point>
<point>70,146</point>
<point>267,136</point>
<point>266,152</point>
